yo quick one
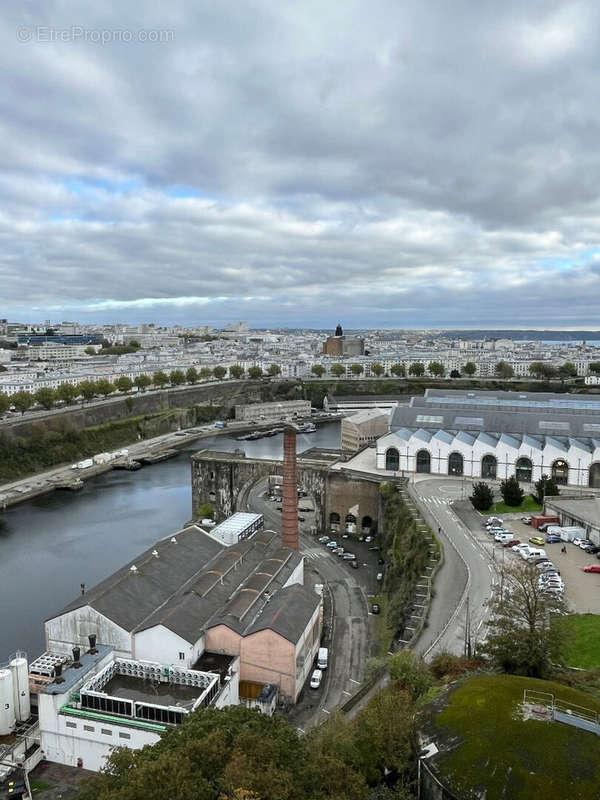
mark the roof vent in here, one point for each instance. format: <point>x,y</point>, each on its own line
<point>155,553</point>
<point>133,568</point>
<point>76,656</point>
<point>92,640</point>
<point>174,540</point>
<point>58,678</point>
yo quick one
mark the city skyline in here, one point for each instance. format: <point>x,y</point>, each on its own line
<point>425,167</point>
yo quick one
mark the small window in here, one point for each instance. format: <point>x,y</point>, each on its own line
<point>124,735</point>
<point>106,731</point>
<point>71,724</point>
<point>89,728</point>
<point>182,656</point>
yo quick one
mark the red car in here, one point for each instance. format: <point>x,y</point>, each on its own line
<point>512,543</point>
<point>592,568</point>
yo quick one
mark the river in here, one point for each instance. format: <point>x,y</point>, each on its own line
<point>51,545</point>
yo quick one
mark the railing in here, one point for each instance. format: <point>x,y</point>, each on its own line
<point>562,711</point>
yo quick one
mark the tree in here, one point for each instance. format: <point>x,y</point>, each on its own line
<point>66,392</point>
<point>504,370</point>
<point>356,369</point>
<point>511,492</point>
<point>542,371</point>
<point>206,372</point>
<point>337,370</point>
<point>160,379</point>
<point>4,403</point>
<point>255,372</point>
<point>318,370</point>
<point>205,511</point>
<point>236,371</point>
<point>545,487</point>
<point>46,397</point>
<point>142,382</point>
<point>377,369</point>
<point>124,384</point>
<point>274,370</point>
<point>455,374</point>
<point>482,497</point>
<point>567,370</point>
<point>594,367</point>
<point>91,351</point>
<point>470,368</point>
<point>417,369</point>
<point>398,370</point>
<point>104,387</point>
<point>436,368</point>
<point>522,638</point>
<point>22,401</point>
<point>219,373</point>
<point>135,344</point>
<point>191,375</point>
<point>87,389</point>
<point>177,377</point>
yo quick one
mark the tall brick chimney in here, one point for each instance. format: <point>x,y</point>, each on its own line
<point>289,507</point>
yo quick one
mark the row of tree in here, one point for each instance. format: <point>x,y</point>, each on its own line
<point>86,390</point>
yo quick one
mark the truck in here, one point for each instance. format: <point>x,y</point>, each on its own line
<point>220,424</point>
<point>87,462</point>
<point>570,532</point>
<point>322,658</point>
<point>543,519</point>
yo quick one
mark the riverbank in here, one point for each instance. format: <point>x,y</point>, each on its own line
<point>144,452</point>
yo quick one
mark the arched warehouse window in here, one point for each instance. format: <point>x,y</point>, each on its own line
<point>455,464</point>
<point>351,518</point>
<point>489,466</point>
<point>350,523</point>
<point>392,459</point>
<point>366,524</point>
<point>423,461</point>
<point>594,479</point>
<point>334,519</point>
<point>524,470</point>
<point>560,472</point>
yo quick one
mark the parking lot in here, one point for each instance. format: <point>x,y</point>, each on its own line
<point>582,590</point>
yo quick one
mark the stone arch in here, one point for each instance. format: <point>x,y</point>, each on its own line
<point>350,523</point>
<point>594,476</point>
<point>366,524</point>
<point>423,461</point>
<point>560,472</point>
<point>524,470</point>
<point>456,464</point>
<point>489,466</point>
<point>392,459</point>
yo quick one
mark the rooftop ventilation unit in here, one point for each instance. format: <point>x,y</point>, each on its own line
<point>155,553</point>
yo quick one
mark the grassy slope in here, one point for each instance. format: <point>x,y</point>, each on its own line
<point>513,758</point>
<point>528,506</point>
<point>583,631</point>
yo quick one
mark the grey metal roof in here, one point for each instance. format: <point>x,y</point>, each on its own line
<point>288,613</point>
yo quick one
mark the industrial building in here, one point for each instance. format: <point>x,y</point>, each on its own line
<point>272,412</point>
<point>494,435</point>
<point>582,511</point>
<point>350,404</point>
<point>363,428</point>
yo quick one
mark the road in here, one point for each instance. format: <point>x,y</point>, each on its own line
<point>347,617</point>
<point>465,583</point>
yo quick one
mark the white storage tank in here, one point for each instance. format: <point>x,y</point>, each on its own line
<point>22,702</point>
<point>7,708</point>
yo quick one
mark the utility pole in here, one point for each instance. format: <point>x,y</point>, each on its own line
<point>467,645</point>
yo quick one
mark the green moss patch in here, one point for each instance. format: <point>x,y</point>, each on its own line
<point>486,744</point>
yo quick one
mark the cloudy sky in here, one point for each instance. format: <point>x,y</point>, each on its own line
<point>393,164</point>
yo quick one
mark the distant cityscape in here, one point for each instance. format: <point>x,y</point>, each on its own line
<point>47,355</point>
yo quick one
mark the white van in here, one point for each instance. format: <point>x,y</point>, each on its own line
<point>571,532</point>
<point>535,552</point>
<point>504,537</point>
<point>322,658</point>
<point>315,679</point>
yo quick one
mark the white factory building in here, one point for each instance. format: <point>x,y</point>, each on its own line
<point>493,435</point>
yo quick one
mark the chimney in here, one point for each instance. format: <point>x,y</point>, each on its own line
<point>58,678</point>
<point>289,507</point>
<point>76,656</point>
<point>92,640</point>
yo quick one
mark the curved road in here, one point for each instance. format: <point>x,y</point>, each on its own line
<point>465,583</point>
<point>349,628</point>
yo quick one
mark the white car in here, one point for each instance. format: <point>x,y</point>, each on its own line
<point>577,541</point>
<point>519,548</point>
<point>493,519</point>
<point>315,679</point>
<point>332,545</point>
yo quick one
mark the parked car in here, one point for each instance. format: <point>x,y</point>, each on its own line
<point>536,540</point>
<point>489,520</point>
<point>585,543</point>
<point>380,576</point>
<point>526,520</point>
<point>511,543</point>
<point>315,679</point>
<point>345,535</point>
<point>374,548</point>
<point>544,527</point>
<point>354,564</point>
<point>592,568</point>
<point>375,608</point>
<point>339,551</point>
<point>349,557</point>
<point>592,548</point>
<point>361,538</point>
<point>519,547</point>
<point>577,541</point>
<point>380,562</point>
<point>368,538</point>
<point>332,545</point>
<point>323,539</point>
<point>553,538</point>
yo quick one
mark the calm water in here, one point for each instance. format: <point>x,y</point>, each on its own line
<point>51,545</point>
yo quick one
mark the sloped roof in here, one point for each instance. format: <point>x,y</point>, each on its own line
<point>288,613</point>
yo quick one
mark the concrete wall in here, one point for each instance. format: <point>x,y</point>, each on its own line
<point>351,495</point>
<point>222,639</point>
<point>269,658</point>
<point>73,628</point>
<point>162,645</point>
